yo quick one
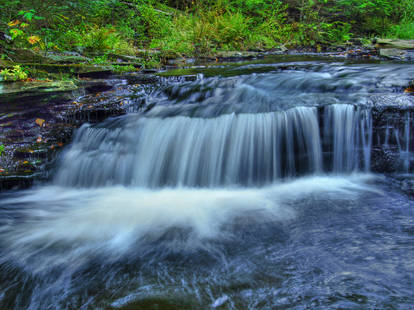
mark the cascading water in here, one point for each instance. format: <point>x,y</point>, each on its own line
<point>236,192</point>
<point>234,149</point>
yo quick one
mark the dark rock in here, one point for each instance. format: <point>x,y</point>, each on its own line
<point>139,78</point>
<point>16,182</point>
<point>97,74</point>
<point>98,87</point>
<point>385,159</point>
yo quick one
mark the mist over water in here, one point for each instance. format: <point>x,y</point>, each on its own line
<point>250,190</point>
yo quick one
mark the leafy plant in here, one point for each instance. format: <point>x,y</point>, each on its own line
<point>16,74</point>
<point>123,69</point>
<point>20,29</point>
<point>1,149</point>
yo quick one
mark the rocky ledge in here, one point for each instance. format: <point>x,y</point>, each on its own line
<point>38,118</point>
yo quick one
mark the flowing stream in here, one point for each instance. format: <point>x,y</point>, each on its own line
<point>249,188</point>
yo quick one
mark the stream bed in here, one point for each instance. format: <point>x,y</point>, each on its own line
<point>262,185</point>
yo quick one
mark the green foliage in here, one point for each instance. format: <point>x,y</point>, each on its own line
<point>100,60</point>
<point>16,74</point>
<point>404,30</point>
<point>95,39</point>
<point>194,27</point>
<point>1,149</point>
<point>123,69</point>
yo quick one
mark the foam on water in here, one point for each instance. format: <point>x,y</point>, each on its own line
<point>86,222</point>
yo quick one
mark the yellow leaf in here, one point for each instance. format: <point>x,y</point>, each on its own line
<point>33,39</point>
<point>40,121</point>
<point>14,23</point>
<point>25,162</point>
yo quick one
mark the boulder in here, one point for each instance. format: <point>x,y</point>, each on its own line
<point>394,43</point>
<point>397,54</point>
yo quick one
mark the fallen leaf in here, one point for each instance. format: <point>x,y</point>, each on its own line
<point>52,147</point>
<point>14,23</point>
<point>40,121</point>
<point>60,144</point>
<point>39,139</point>
<point>33,39</point>
<point>409,90</point>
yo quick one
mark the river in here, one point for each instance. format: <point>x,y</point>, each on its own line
<point>256,187</point>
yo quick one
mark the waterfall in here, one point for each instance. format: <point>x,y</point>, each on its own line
<point>231,149</point>
<point>348,132</point>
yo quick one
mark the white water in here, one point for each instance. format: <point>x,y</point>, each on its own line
<point>69,226</point>
<point>234,149</point>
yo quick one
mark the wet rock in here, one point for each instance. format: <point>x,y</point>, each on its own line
<point>34,124</point>
<point>96,74</point>
<point>98,87</point>
<point>15,182</point>
<point>7,89</point>
<point>94,114</point>
<point>21,93</point>
<point>397,54</point>
<point>385,159</point>
<point>140,78</point>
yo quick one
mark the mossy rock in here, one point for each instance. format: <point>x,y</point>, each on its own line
<point>67,59</point>
<point>27,55</point>
<point>68,68</point>
<point>38,86</point>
